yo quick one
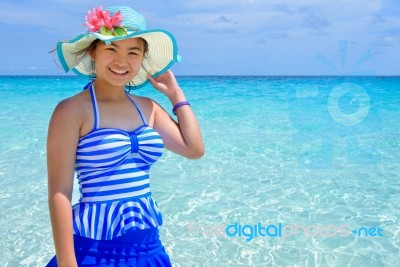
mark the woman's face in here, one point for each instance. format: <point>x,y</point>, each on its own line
<point>119,62</point>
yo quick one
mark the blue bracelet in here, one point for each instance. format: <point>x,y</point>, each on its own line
<point>178,105</point>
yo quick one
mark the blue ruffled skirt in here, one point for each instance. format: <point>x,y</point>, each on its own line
<point>136,248</point>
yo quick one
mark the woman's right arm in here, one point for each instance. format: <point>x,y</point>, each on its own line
<point>62,140</point>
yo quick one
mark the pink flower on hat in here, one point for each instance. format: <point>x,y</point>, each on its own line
<point>97,19</point>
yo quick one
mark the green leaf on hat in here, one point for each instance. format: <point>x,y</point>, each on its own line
<point>105,31</point>
<point>119,31</point>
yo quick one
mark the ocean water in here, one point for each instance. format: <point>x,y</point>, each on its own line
<point>298,171</point>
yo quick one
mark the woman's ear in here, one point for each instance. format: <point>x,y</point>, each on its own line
<point>92,54</point>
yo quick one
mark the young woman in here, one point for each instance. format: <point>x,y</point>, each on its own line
<point>110,138</point>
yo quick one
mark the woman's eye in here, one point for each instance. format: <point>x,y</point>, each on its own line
<point>111,49</point>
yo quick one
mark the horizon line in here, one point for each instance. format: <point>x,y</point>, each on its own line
<point>219,75</point>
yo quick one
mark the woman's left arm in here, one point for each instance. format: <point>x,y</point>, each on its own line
<point>182,137</point>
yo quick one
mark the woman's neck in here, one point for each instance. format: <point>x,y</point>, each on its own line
<point>106,91</point>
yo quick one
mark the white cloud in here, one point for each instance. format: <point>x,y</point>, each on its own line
<point>26,68</point>
<point>33,17</point>
<point>391,40</point>
<point>283,15</point>
<point>228,31</point>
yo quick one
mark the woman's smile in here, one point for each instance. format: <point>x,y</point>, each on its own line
<point>120,72</point>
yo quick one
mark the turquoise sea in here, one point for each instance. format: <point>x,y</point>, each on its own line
<point>298,171</point>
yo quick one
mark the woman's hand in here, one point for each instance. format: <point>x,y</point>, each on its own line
<point>166,83</point>
<point>182,137</point>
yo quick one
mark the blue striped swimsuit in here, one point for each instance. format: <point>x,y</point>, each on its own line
<point>112,167</point>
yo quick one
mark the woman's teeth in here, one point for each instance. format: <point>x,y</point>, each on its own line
<point>119,71</point>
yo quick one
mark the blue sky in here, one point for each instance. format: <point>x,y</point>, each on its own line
<point>224,37</point>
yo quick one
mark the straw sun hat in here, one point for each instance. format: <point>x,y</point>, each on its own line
<point>118,23</point>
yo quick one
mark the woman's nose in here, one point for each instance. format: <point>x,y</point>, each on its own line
<point>120,58</point>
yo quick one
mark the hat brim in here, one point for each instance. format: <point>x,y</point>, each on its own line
<point>161,55</point>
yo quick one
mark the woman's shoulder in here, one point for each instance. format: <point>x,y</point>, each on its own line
<point>148,106</point>
<point>144,102</point>
<point>72,102</point>
<point>73,106</point>
<point>141,99</point>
